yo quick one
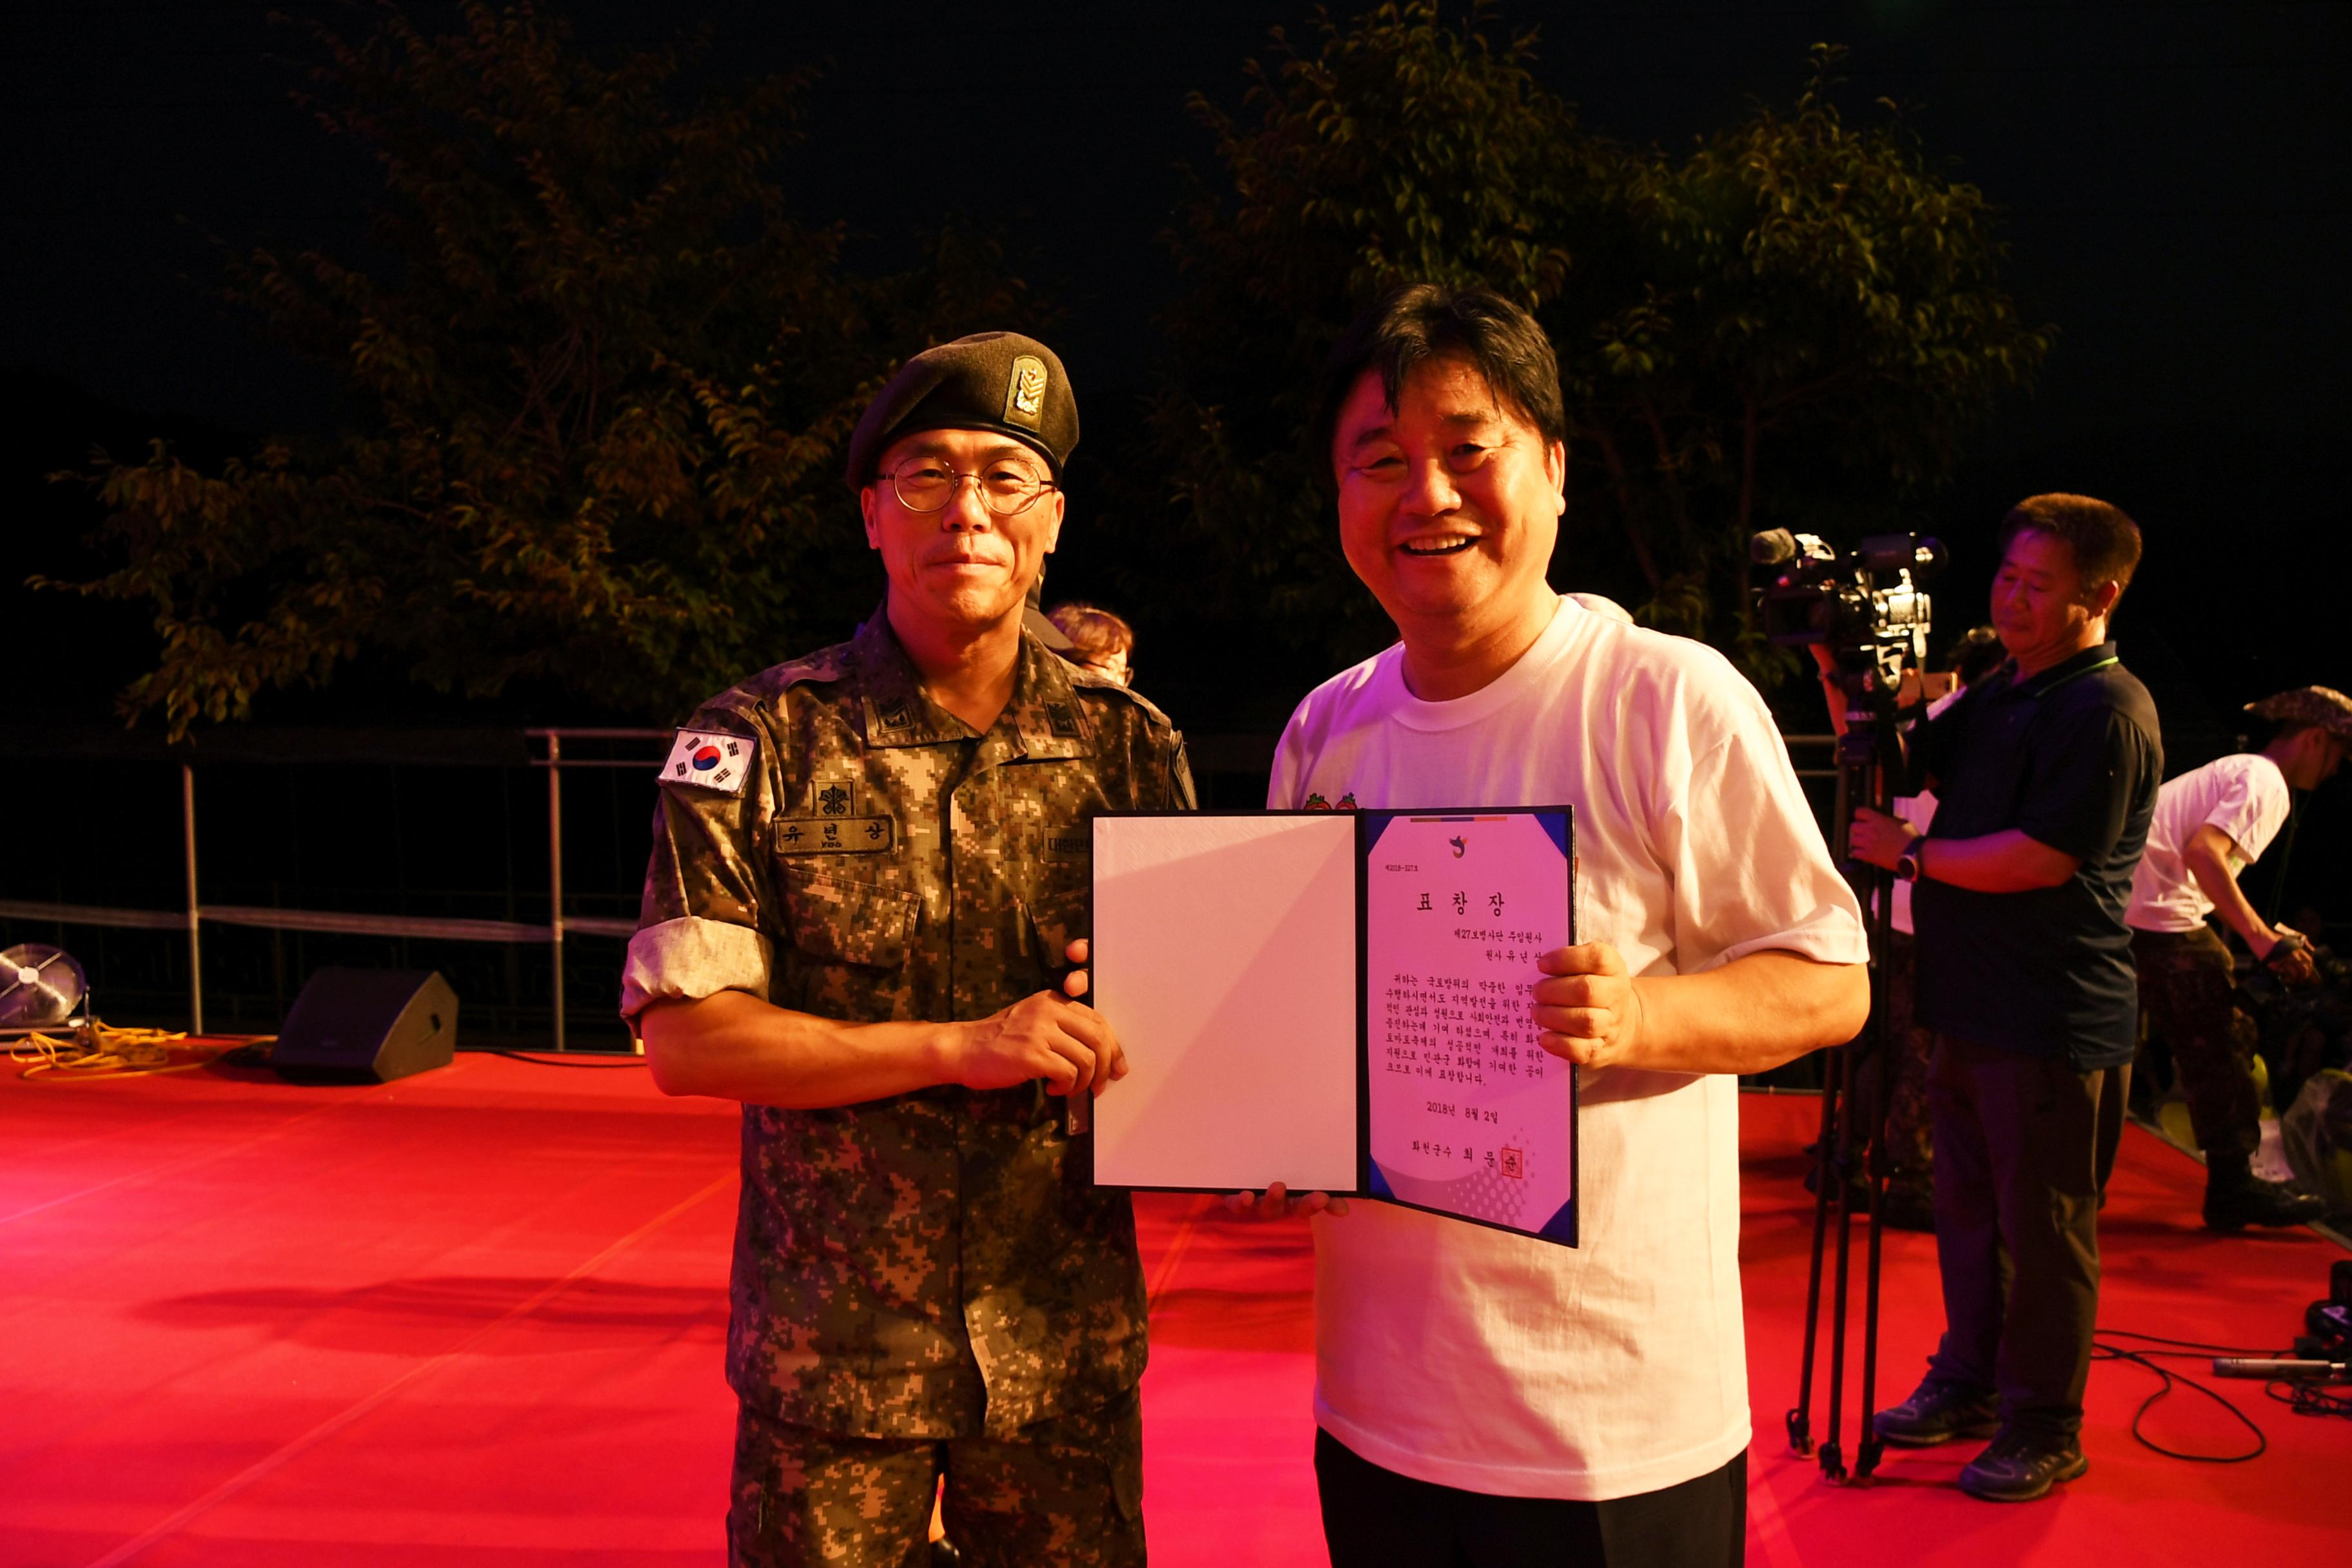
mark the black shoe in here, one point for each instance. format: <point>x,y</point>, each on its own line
<point>1937,1412</point>
<point>2018,1466</point>
<point>2235,1198</point>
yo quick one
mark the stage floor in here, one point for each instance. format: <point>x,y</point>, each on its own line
<point>475,1318</point>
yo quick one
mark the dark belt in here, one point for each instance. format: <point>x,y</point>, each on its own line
<point>2172,937</point>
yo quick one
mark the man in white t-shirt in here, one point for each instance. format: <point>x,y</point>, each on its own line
<point>2210,823</point>
<point>1483,1396</point>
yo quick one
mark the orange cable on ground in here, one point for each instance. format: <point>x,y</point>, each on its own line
<point>99,1051</point>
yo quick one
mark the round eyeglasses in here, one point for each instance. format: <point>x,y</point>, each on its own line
<point>1007,486</point>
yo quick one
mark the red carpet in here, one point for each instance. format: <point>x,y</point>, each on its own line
<point>475,1318</point>
<point>2162,1274</point>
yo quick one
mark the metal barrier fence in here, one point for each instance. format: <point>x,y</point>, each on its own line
<point>196,914</point>
<point>1828,742</point>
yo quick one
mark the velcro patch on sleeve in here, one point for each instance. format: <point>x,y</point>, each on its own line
<point>711,758</point>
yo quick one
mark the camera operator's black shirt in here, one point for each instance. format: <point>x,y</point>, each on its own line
<point>2071,757</point>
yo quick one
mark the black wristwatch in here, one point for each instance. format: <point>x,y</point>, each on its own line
<point>1906,865</point>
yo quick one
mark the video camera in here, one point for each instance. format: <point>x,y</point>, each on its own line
<point>1867,608</point>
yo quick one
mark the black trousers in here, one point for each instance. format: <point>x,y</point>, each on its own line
<point>1374,1518</point>
<point>2021,1153</point>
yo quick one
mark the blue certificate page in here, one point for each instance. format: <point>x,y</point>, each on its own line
<point>1468,1116</point>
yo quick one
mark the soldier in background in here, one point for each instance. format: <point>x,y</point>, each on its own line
<point>1099,640</point>
<point>2209,823</point>
<point>870,867</point>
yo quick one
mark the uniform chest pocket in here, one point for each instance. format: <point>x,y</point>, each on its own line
<point>845,921</point>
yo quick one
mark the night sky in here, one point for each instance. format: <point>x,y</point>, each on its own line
<point>2173,175</point>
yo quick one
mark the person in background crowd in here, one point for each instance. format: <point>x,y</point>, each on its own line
<point>1483,1397</point>
<point>870,867</point>
<point>1909,1201</point>
<point>2210,823</point>
<point>2046,775</point>
<point>1099,640</point>
<point>2301,1030</point>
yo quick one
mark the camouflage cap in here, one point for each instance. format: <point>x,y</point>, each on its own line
<point>990,381</point>
<point>2314,707</point>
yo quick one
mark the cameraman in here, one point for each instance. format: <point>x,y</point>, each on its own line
<point>2209,821</point>
<point>2046,775</point>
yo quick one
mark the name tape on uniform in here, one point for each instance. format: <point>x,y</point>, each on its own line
<point>834,834</point>
<point>711,758</point>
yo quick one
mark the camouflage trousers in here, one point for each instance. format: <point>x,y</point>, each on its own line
<point>2185,996</point>
<point>1910,1131</point>
<point>1065,1492</point>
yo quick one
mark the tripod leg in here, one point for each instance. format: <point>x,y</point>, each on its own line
<point>1865,1458</point>
<point>1799,1419</point>
<point>1879,1035</point>
<point>1833,1452</point>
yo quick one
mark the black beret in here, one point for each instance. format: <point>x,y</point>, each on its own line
<point>990,381</point>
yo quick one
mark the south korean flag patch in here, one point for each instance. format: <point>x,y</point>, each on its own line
<point>711,758</point>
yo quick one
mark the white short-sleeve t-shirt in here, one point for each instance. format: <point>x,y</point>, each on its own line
<point>2245,796</point>
<point>1476,1359</point>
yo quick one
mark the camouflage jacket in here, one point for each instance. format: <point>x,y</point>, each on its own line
<point>932,1265</point>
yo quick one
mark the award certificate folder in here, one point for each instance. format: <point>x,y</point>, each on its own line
<point>1337,1001</point>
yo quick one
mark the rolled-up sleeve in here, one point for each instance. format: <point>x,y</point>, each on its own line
<point>689,958</point>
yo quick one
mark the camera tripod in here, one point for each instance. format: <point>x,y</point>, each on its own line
<point>1869,758</point>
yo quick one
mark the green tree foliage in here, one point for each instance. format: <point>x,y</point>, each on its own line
<point>1402,148</point>
<point>1797,323</point>
<point>1820,324</point>
<point>598,380</point>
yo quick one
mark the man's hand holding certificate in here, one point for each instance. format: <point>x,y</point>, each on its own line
<point>1587,1007</point>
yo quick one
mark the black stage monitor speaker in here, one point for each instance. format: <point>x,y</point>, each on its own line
<point>374,1024</point>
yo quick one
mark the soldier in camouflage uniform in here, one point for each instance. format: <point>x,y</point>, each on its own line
<point>870,868</point>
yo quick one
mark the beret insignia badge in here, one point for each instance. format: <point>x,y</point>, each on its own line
<point>1025,394</point>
